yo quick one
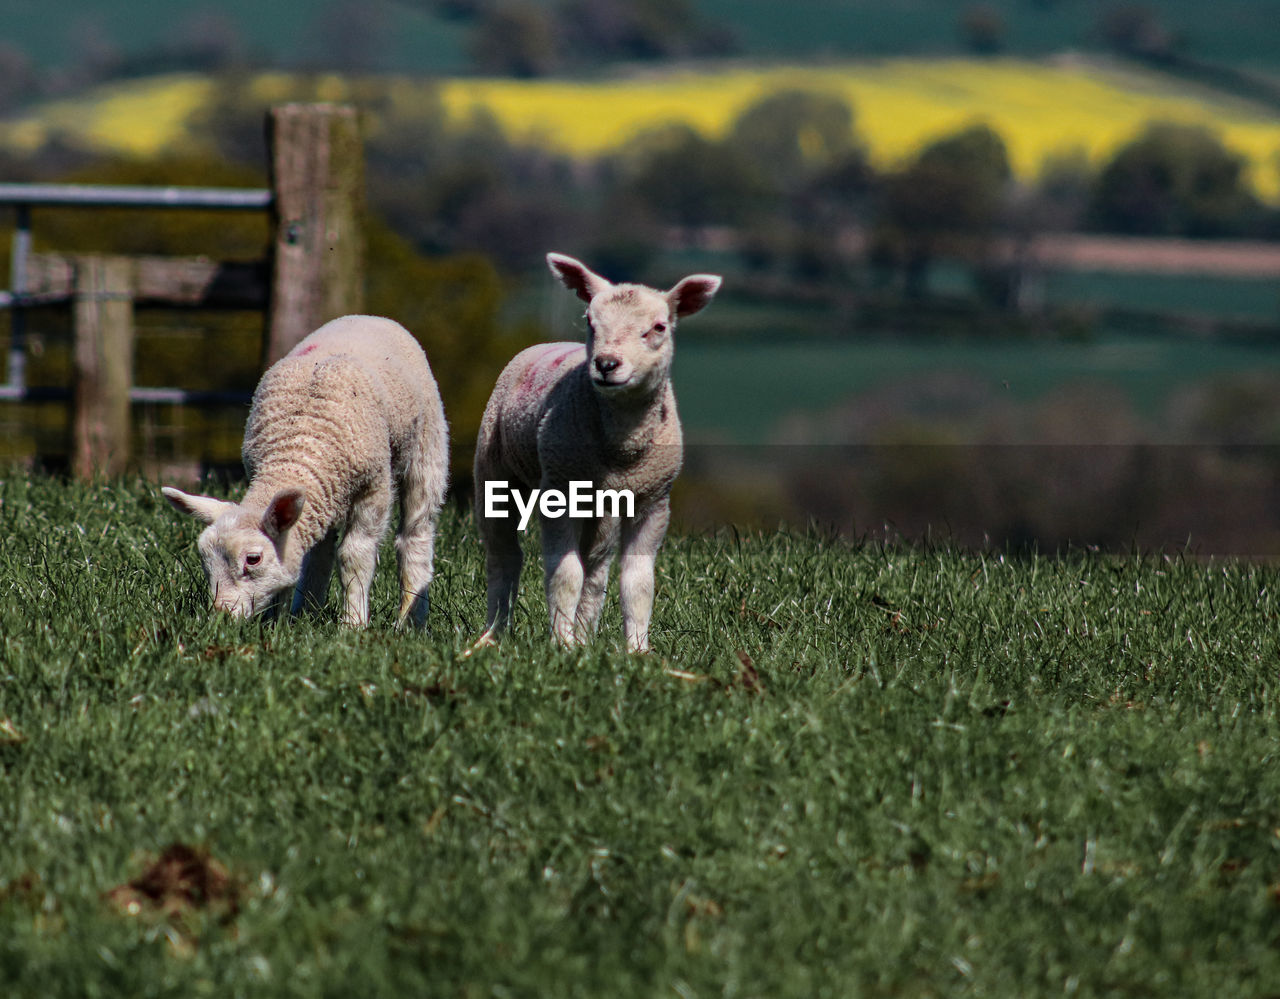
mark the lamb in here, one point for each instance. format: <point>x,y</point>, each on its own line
<point>348,415</point>
<point>562,413</point>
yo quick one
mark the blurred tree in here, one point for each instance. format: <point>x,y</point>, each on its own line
<point>453,305</point>
<point>793,136</point>
<point>613,29</point>
<point>982,28</point>
<point>682,178</point>
<point>474,191</point>
<point>350,35</point>
<point>447,185</point>
<point>803,147</point>
<point>207,39</point>
<point>1062,190</point>
<point>457,10</point>
<point>846,183</point>
<point>1174,180</point>
<point>949,199</point>
<point>232,123</point>
<point>956,183</point>
<point>515,39</point>
<point>623,238</point>
<point>94,53</point>
<point>18,79</point>
<point>605,30</point>
<point>1135,29</point>
<point>222,235</point>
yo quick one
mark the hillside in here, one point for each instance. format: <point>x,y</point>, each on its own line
<point>409,36</point>
<point>1041,108</point>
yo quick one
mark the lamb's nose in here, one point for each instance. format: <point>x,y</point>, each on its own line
<point>606,363</point>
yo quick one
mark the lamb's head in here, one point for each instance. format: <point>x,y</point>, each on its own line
<point>630,328</point>
<point>242,551</point>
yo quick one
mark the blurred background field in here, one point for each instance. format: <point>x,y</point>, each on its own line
<point>1017,230</point>
<point>1041,109</point>
<point>436,35</point>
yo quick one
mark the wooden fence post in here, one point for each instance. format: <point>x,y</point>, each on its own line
<point>103,365</point>
<point>317,174</point>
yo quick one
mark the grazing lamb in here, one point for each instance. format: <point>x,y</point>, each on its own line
<point>346,417</point>
<point>603,414</point>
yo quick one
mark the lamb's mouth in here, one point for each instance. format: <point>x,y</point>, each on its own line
<point>606,385</point>
<point>243,611</point>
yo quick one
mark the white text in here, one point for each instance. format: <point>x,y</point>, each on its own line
<point>581,502</point>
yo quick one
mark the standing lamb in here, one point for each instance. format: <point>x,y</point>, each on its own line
<point>603,414</point>
<point>346,416</point>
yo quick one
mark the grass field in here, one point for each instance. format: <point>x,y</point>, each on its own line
<point>845,770</point>
<point>411,39</point>
<point>743,393</point>
<point>1041,109</point>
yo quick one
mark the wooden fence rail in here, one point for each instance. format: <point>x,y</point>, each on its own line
<point>314,272</point>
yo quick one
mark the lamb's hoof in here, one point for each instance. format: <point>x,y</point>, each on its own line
<point>485,641</point>
<point>413,611</point>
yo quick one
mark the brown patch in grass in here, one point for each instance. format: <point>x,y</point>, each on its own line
<point>220,652</point>
<point>748,677</point>
<point>9,734</point>
<point>182,879</point>
<point>707,908</point>
<point>434,692</point>
<point>25,887</point>
<point>746,612</point>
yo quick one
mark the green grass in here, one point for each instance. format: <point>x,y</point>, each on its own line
<point>957,775</point>
<point>743,393</point>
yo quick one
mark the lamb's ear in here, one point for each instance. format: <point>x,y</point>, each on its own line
<point>205,509</point>
<point>576,276</point>
<point>283,512</point>
<point>693,293</point>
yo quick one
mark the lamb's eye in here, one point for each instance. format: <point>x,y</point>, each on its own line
<point>253,558</point>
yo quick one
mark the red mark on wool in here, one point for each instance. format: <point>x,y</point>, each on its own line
<point>540,373</point>
<point>526,385</point>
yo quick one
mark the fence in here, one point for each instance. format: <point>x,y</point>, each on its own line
<point>314,271</point>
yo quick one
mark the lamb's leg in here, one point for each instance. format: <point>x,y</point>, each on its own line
<point>358,553</point>
<point>421,496</point>
<point>597,540</point>
<point>503,559</point>
<point>641,539</point>
<point>317,569</point>
<point>564,575</point>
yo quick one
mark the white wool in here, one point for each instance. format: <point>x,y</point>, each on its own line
<point>605,413</point>
<point>341,425</point>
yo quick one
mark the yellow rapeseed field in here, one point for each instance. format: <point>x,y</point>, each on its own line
<point>137,117</point>
<point>1042,109</point>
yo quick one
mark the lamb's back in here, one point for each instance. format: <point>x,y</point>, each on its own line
<point>355,392</point>
<point>390,356</point>
<point>527,386</point>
